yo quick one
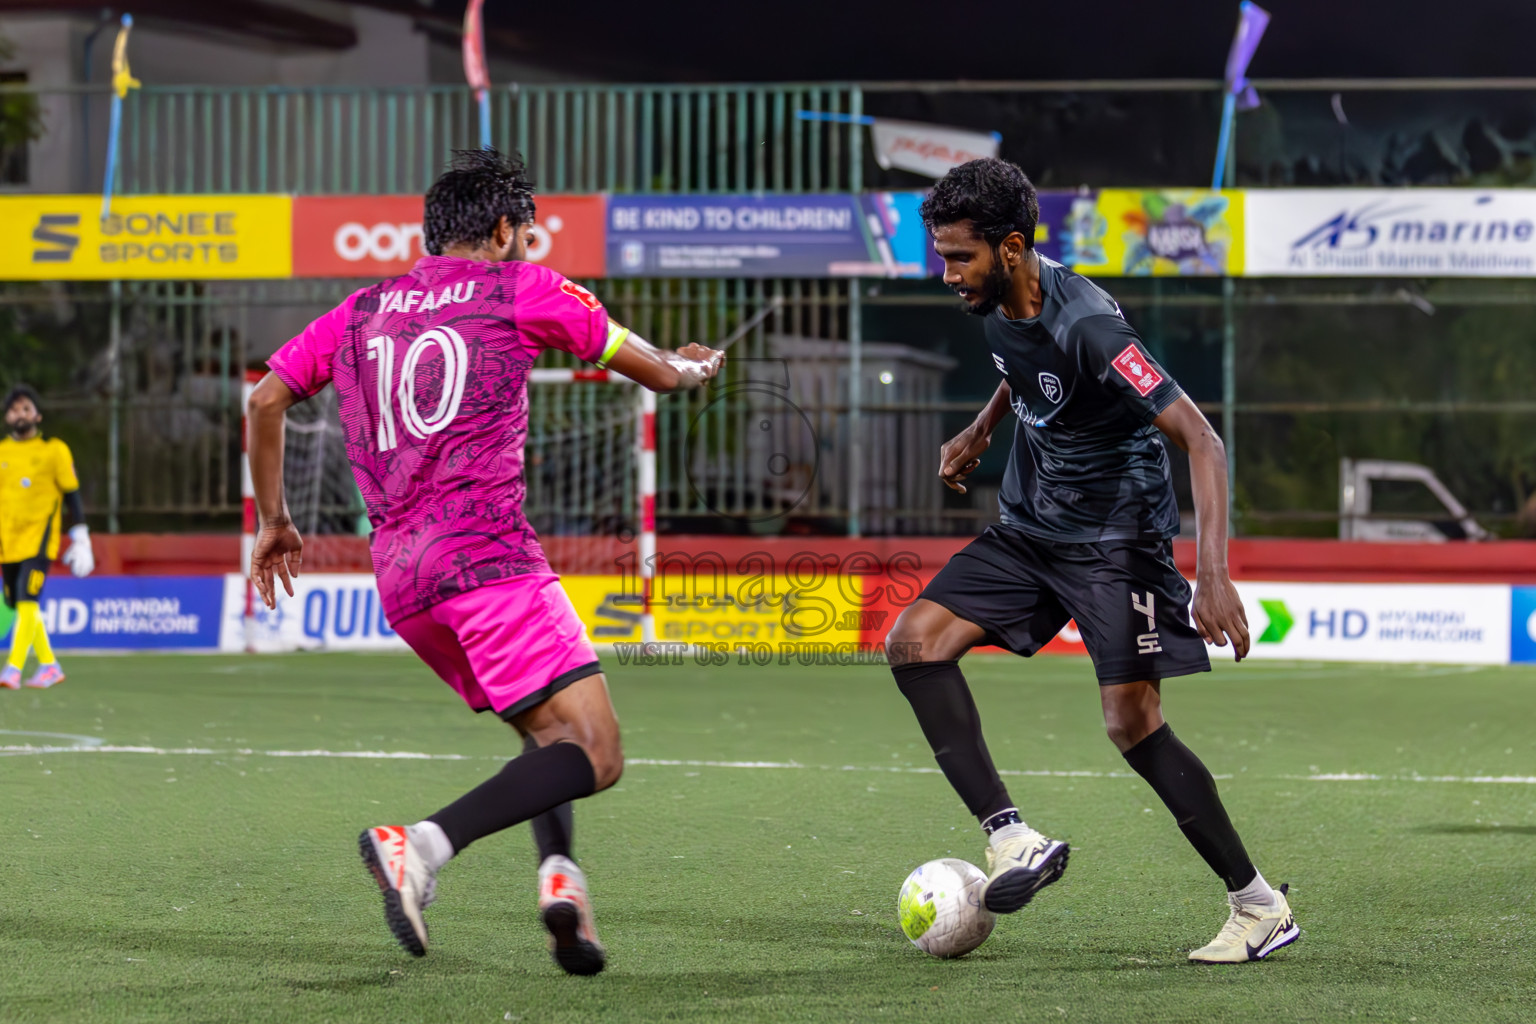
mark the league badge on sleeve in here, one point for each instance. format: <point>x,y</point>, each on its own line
<point>1137,369</point>
<point>581,295</point>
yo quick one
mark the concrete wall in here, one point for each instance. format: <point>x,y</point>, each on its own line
<point>50,48</point>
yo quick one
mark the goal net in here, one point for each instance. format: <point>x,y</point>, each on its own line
<point>323,498</point>
<point>589,468</point>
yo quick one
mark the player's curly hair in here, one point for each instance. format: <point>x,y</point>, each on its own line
<point>994,195</point>
<point>16,394</point>
<point>468,201</point>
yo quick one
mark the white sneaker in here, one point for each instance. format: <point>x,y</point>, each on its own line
<point>1251,932</point>
<point>1020,862</point>
<point>567,912</point>
<point>408,882</point>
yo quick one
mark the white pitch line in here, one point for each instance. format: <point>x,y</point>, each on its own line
<point>93,745</point>
<point>896,769</point>
<point>1515,780</point>
<point>366,755</point>
<point>80,741</point>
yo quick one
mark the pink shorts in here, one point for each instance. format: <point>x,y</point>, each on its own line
<point>506,646</point>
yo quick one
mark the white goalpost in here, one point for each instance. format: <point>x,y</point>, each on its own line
<point>592,501</point>
<point>589,470</point>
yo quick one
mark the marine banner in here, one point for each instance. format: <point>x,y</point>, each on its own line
<point>1426,232</point>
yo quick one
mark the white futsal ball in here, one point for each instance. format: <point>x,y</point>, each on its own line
<point>940,908</point>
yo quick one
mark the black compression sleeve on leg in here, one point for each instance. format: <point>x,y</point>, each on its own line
<point>942,701</point>
<point>554,829</point>
<point>1184,784</point>
<point>528,786</point>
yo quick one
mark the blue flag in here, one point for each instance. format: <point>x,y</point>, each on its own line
<point>1252,20</point>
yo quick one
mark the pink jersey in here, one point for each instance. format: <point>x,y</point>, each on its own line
<point>432,373</point>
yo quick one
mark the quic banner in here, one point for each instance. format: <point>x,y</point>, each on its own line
<point>327,612</point>
<point>65,238</point>
<point>380,236</point>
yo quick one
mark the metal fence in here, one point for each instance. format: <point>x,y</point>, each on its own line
<point>318,141</point>
<point>1438,373</point>
<point>746,138</point>
<point>843,391</point>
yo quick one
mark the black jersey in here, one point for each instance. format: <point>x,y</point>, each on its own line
<point>1087,464</point>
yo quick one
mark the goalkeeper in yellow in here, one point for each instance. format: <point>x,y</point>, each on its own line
<point>37,479</point>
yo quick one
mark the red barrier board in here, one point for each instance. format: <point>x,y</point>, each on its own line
<point>380,236</point>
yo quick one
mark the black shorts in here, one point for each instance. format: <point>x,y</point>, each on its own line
<point>1130,602</point>
<point>24,580</point>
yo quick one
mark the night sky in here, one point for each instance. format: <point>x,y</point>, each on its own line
<point>898,39</point>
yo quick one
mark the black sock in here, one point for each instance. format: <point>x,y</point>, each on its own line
<point>945,710</point>
<point>528,786</point>
<point>1185,785</point>
<point>554,829</point>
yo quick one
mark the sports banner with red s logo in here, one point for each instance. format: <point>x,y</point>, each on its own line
<point>380,236</point>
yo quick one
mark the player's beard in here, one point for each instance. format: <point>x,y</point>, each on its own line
<point>993,288</point>
<point>21,429</point>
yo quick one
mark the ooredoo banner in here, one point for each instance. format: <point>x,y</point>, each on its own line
<point>380,236</point>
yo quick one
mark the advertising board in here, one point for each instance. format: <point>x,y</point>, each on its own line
<point>186,237</point>
<point>1426,232</point>
<point>131,613</point>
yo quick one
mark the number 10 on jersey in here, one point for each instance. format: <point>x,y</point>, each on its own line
<point>381,349</point>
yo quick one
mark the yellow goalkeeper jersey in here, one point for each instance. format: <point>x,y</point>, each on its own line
<point>35,474</point>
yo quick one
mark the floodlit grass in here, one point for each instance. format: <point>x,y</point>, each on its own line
<point>205,879</point>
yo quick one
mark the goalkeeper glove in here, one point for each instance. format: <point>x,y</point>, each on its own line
<point>80,559</point>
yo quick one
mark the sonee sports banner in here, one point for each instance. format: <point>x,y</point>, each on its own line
<point>175,238</point>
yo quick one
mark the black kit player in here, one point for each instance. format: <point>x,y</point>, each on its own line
<point>1087,517</point>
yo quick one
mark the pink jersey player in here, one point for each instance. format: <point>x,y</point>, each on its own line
<point>432,369</point>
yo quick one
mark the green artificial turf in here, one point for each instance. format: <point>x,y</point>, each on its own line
<point>224,885</point>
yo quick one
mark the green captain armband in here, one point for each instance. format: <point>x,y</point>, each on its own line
<point>617,335</point>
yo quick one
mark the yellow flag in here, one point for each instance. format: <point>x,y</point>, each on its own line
<point>122,77</point>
